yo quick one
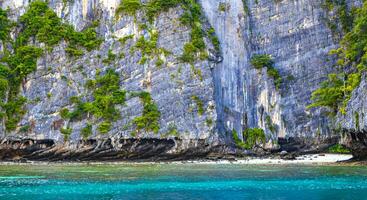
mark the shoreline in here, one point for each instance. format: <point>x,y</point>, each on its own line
<point>309,159</point>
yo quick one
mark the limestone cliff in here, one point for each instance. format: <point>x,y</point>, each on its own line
<point>295,34</point>
<point>352,125</point>
<point>201,102</point>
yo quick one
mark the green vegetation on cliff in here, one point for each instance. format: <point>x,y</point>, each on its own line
<point>155,7</point>
<point>214,39</point>
<point>129,7</point>
<point>199,104</point>
<point>341,18</point>
<point>38,23</point>
<point>42,23</point>
<point>152,7</point>
<point>193,50</point>
<point>149,121</point>
<point>148,47</point>
<point>260,61</point>
<point>251,136</point>
<point>269,124</point>
<point>66,132</point>
<point>86,131</point>
<point>336,92</point>
<point>5,26</point>
<point>338,148</point>
<point>106,94</point>
<point>110,57</point>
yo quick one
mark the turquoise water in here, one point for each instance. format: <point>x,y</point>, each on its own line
<point>182,181</point>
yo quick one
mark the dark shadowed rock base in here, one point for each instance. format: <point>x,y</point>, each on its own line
<point>109,150</point>
<point>357,143</point>
<point>17,149</point>
<point>306,145</point>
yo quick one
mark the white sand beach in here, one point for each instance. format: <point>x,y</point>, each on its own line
<point>310,159</point>
<point>317,159</point>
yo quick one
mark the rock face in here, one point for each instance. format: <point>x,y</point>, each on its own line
<point>172,86</point>
<point>146,149</point>
<point>200,104</point>
<point>353,125</point>
<point>295,34</point>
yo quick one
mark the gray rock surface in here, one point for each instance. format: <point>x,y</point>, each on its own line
<point>171,86</point>
<point>235,95</point>
<point>295,35</point>
<point>353,124</point>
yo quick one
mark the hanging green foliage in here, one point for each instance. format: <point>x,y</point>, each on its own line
<point>251,136</point>
<point>195,48</point>
<point>336,92</point>
<point>5,26</point>
<point>39,23</point>
<point>106,96</point>
<point>260,61</point>
<point>149,120</point>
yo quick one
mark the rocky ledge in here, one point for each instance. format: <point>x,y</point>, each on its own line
<point>108,150</point>
<point>357,143</point>
<point>148,149</point>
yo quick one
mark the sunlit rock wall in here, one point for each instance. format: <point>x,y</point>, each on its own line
<point>172,85</point>
<point>294,33</point>
<point>235,95</point>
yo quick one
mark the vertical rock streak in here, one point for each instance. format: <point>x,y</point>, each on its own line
<point>295,35</point>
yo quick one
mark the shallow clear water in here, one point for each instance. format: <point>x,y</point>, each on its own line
<point>182,181</point>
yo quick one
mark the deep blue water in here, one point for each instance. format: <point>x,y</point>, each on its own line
<point>182,181</point>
